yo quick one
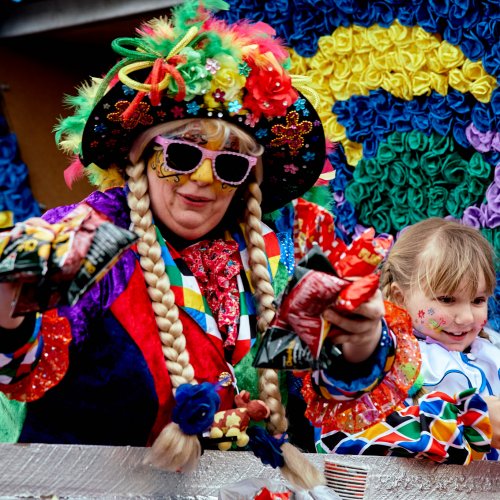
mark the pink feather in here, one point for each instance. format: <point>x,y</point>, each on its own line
<point>262,34</point>
<point>73,172</point>
<point>328,169</point>
<point>245,32</point>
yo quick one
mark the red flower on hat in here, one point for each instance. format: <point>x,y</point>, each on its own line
<point>219,95</point>
<point>269,87</point>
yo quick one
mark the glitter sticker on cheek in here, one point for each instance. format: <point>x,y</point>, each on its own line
<point>437,326</point>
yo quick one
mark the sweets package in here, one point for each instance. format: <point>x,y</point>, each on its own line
<point>57,263</point>
<point>258,488</point>
<point>299,337</point>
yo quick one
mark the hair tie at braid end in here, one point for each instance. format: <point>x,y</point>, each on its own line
<point>177,448</point>
<point>174,451</point>
<point>195,407</point>
<point>278,452</point>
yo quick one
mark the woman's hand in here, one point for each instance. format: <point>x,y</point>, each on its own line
<point>361,329</point>
<point>8,292</point>
<point>493,403</point>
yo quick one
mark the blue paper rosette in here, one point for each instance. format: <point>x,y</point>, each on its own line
<point>16,199</point>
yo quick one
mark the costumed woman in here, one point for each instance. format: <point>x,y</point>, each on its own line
<point>194,133</point>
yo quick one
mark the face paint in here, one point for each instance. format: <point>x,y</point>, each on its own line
<point>189,208</point>
<point>157,164</point>
<point>203,173</point>
<point>435,325</point>
<point>221,187</point>
<point>452,320</point>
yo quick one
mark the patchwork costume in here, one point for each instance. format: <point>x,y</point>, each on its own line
<point>451,371</point>
<point>454,381</point>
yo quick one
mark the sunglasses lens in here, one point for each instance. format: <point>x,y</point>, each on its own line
<point>231,168</point>
<point>182,157</point>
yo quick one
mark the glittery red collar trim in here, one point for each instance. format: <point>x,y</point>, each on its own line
<point>358,414</point>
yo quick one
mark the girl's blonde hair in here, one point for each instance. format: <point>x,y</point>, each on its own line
<point>173,450</point>
<point>438,256</point>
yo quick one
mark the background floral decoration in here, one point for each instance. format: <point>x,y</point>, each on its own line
<point>409,92</point>
<point>16,199</point>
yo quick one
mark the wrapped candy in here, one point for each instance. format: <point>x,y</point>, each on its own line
<point>57,263</point>
<point>266,494</point>
<point>299,337</point>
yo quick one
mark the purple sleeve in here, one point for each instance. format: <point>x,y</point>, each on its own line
<point>101,295</point>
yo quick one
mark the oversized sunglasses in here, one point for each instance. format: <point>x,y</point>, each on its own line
<point>185,157</point>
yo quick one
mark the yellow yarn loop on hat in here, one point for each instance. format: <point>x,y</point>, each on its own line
<point>134,84</point>
<point>302,84</point>
<point>184,41</point>
<point>135,66</point>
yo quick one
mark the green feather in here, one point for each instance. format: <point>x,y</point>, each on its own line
<point>184,14</point>
<point>69,130</point>
<point>321,195</point>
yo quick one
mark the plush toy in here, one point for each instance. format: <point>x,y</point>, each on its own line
<point>234,423</point>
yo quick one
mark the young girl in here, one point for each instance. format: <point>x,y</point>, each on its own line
<point>443,273</point>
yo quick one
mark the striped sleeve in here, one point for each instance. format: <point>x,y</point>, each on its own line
<point>19,363</point>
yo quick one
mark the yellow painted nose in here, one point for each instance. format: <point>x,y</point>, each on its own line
<point>203,173</point>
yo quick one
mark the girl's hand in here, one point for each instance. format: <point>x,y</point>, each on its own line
<point>8,292</point>
<point>361,330</point>
<point>493,403</point>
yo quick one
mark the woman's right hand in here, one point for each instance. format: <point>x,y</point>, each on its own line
<point>8,292</point>
<point>493,403</point>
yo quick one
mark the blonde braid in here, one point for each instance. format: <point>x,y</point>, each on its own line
<point>386,280</point>
<point>258,258</point>
<point>297,468</point>
<point>172,450</point>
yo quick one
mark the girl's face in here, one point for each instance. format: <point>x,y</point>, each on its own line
<point>190,204</point>
<point>453,320</point>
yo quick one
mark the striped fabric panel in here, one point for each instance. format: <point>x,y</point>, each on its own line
<point>14,366</point>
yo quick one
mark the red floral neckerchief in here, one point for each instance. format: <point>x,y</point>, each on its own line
<point>216,265</point>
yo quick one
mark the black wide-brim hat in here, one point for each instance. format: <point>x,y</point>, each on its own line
<point>294,144</point>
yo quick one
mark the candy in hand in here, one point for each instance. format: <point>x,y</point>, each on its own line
<point>57,263</point>
<point>302,308</point>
